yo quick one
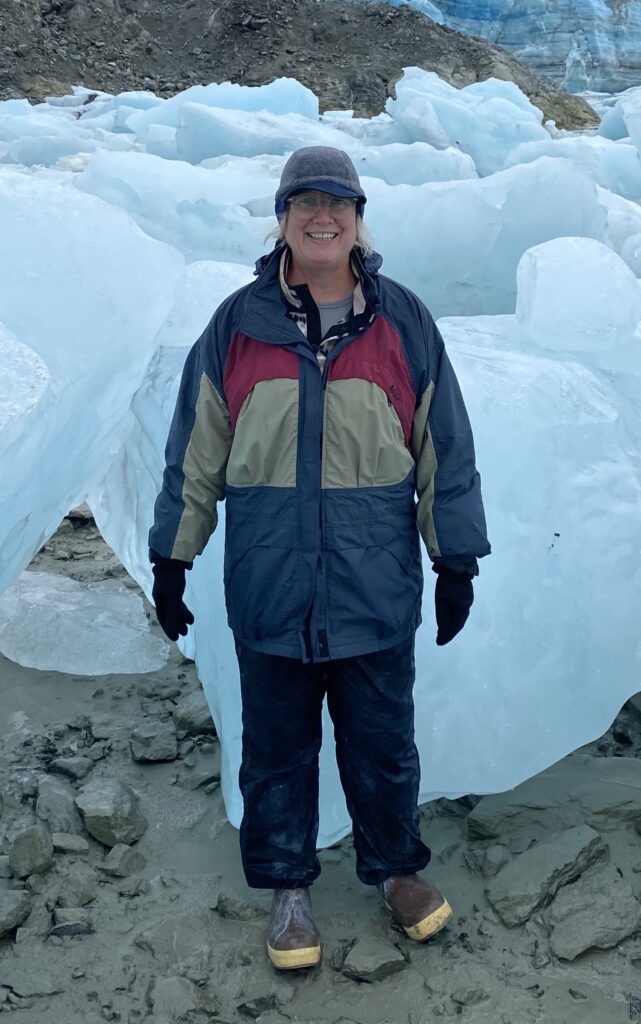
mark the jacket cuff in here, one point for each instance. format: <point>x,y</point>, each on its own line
<point>460,566</point>
<point>168,563</point>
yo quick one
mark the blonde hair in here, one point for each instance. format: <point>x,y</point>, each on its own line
<point>364,240</point>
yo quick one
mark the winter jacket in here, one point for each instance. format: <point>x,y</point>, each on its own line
<point>320,469</point>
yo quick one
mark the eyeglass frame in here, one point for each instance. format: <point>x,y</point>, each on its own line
<point>334,204</point>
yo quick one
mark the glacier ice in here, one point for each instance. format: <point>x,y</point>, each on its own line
<point>61,625</point>
<point>112,262</point>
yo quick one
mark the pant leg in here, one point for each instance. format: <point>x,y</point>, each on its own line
<point>371,704</point>
<point>282,702</point>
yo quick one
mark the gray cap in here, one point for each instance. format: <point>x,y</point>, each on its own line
<point>321,168</point>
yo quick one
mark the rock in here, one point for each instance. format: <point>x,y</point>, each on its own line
<point>78,885</point>
<point>372,959</point>
<point>488,861</point>
<point>176,998</point>
<point>19,975</point>
<point>71,921</point>
<point>15,907</point>
<point>111,812</point>
<point>31,851</point>
<point>597,912</point>
<point>604,792</point>
<point>5,870</point>
<point>56,806</point>
<point>231,906</point>
<point>66,843</point>
<point>154,741</point>
<point>531,881</point>
<point>277,997</point>
<point>468,995</point>
<point>122,860</point>
<point>74,767</point>
<point>192,716</point>
<point>36,926</point>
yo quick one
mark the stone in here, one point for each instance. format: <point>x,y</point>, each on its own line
<point>488,861</point>
<point>530,881</point>
<point>228,904</point>
<point>78,885</point>
<point>154,741</point>
<point>68,843</point>
<point>604,792</point>
<point>371,959</point>
<point>15,907</point>
<point>73,767</point>
<point>71,921</point>
<point>36,926</point>
<point>56,806</point>
<point>277,997</point>
<point>175,998</point>
<point>192,716</point>
<point>31,851</point>
<point>122,861</point>
<point>5,870</point>
<point>111,812</point>
<point>19,975</point>
<point>597,912</point>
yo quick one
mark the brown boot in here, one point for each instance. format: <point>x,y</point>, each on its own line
<point>418,907</point>
<point>292,938</point>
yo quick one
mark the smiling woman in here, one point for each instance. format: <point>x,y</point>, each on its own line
<point>319,403</point>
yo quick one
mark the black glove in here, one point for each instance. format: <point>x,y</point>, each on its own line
<point>453,597</point>
<point>169,586</point>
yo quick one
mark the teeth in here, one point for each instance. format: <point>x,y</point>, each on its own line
<point>321,234</point>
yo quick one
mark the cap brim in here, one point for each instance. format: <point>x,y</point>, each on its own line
<point>330,187</point>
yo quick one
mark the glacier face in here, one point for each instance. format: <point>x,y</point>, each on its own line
<point>584,44</point>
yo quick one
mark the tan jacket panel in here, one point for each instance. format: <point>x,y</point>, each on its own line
<point>204,469</point>
<point>264,448</point>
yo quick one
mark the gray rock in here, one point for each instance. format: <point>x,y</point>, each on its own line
<point>56,806</point>
<point>78,885</point>
<point>277,997</point>
<point>192,716</point>
<point>488,861</point>
<point>372,959</point>
<point>531,881</point>
<point>228,904</point>
<point>67,843</point>
<point>19,974</point>
<point>15,907</point>
<point>468,995</point>
<point>36,926</point>
<point>5,870</point>
<point>175,998</point>
<point>154,741</point>
<point>597,912</point>
<point>73,767</point>
<point>122,860</point>
<point>31,851</point>
<point>111,812</point>
<point>604,792</point>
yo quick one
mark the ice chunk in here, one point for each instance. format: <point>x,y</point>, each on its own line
<point>85,291</point>
<point>631,253</point>
<point>614,166</point>
<point>467,237</point>
<point>23,382</point>
<point>486,120</point>
<point>210,131</point>
<point>199,292</point>
<point>577,295</point>
<point>282,96</point>
<point>57,624</point>
<point>176,203</point>
<point>414,164</point>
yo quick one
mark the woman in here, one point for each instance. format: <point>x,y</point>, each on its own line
<point>319,402</point>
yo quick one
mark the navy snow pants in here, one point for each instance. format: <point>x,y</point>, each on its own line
<point>370,702</point>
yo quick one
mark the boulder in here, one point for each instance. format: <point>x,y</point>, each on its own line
<point>31,851</point>
<point>111,812</point>
<point>15,907</point>
<point>123,860</point>
<point>372,959</point>
<point>55,805</point>
<point>154,740</point>
<point>598,911</point>
<point>192,716</point>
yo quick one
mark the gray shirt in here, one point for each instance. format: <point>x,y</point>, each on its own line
<point>334,312</point>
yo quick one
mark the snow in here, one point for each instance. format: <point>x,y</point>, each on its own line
<point>104,626</point>
<point>126,222</point>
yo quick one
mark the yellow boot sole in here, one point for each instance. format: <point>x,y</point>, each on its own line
<point>294,959</point>
<point>430,925</point>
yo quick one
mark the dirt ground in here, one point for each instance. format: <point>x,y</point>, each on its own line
<point>350,54</point>
<point>178,937</point>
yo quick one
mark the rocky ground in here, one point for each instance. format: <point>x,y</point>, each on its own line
<point>122,896</point>
<point>350,54</point>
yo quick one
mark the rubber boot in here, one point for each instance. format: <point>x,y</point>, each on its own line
<point>418,907</point>
<point>292,937</point>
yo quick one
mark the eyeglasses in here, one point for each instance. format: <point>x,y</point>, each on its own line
<point>309,202</point>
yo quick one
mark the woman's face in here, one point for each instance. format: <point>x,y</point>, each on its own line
<point>320,238</point>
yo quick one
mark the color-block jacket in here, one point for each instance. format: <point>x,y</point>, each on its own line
<point>320,469</point>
